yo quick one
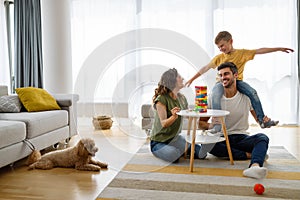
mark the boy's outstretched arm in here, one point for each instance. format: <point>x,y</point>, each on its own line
<point>270,50</point>
<point>199,73</point>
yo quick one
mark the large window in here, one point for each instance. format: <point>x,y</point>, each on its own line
<point>119,40</point>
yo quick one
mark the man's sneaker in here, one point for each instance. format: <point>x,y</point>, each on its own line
<point>269,124</point>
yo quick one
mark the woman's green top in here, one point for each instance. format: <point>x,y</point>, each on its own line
<point>160,134</point>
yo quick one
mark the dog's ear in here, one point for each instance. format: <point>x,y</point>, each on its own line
<point>81,150</point>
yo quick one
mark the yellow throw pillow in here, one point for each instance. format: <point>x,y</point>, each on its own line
<point>36,99</point>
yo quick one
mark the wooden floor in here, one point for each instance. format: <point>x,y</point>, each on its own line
<point>116,147</point>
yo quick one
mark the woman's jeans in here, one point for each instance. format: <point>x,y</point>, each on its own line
<point>244,88</point>
<point>172,150</point>
<point>256,144</point>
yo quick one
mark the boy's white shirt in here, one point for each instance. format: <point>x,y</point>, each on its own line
<point>239,106</point>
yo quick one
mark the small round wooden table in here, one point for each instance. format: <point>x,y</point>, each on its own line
<point>192,118</point>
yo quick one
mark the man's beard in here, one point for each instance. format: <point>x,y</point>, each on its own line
<point>229,83</point>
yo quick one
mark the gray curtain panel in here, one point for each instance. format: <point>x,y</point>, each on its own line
<point>28,44</point>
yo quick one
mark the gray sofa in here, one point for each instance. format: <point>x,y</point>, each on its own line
<point>147,117</point>
<point>41,129</point>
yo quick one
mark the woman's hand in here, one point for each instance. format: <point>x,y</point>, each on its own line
<point>174,111</point>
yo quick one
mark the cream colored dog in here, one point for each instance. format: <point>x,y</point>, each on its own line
<point>78,157</point>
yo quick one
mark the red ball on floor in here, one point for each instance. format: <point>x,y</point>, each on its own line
<point>259,188</point>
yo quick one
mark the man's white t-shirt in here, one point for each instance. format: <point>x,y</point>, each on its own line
<point>239,106</point>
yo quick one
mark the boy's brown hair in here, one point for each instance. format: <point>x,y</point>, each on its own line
<point>223,35</point>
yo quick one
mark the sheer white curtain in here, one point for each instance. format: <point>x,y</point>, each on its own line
<point>180,34</point>
<point>95,22</point>
<point>4,62</point>
<point>258,24</point>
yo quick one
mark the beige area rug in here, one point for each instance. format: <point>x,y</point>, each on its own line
<point>146,177</point>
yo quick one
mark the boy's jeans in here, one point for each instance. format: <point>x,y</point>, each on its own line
<point>244,88</point>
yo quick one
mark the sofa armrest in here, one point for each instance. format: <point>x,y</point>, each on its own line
<point>68,102</point>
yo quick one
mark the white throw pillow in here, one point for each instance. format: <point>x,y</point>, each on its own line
<point>10,104</point>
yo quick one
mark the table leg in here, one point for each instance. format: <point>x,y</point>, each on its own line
<point>193,144</point>
<point>227,140</point>
<point>188,133</point>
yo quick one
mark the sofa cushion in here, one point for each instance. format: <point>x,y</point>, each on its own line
<point>11,132</point>
<point>37,99</point>
<point>10,103</point>
<point>38,123</point>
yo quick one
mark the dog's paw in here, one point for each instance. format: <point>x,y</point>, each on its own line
<point>88,167</point>
<point>96,168</point>
<point>103,165</point>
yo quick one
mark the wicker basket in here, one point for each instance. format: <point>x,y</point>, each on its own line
<point>102,122</point>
